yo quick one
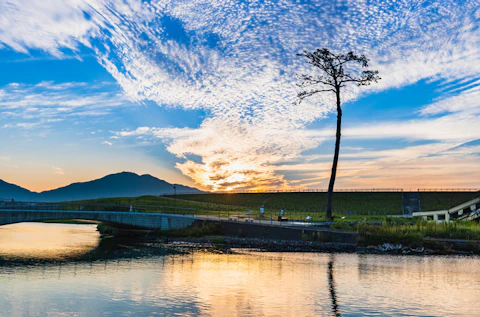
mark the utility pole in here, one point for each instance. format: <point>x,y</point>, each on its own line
<point>175,196</point>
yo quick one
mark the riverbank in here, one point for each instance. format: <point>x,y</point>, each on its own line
<point>224,244</point>
<point>397,238</point>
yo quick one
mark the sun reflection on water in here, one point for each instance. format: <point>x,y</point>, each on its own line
<point>32,241</point>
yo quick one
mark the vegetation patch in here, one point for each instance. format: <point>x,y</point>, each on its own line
<point>206,229</point>
<point>351,204</point>
<point>107,230</point>
<point>157,204</point>
<point>300,205</point>
<point>217,240</point>
<point>414,234</point>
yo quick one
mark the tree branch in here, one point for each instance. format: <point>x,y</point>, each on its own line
<point>304,94</point>
<point>310,81</point>
<point>365,78</point>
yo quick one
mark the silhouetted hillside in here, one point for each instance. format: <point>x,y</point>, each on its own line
<point>123,184</point>
<point>9,191</point>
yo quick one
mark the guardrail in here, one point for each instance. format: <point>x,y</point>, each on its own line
<point>361,190</point>
<point>448,190</point>
<point>78,206</point>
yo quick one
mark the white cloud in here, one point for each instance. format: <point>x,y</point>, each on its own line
<point>24,125</point>
<point>437,165</point>
<point>50,25</point>
<point>58,170</point>
<point>107,143</point>
<point>467,101</point>
<point>232,156</point>
<point>237,61</point>
<point>28,105</point>
<point>452,127</point>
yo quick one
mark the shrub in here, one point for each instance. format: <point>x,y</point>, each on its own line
<point>206,229</point>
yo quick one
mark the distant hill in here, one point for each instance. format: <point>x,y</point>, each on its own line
<point>9,191</point>
<point>123,184</point>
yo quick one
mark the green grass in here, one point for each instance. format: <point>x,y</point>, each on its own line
<point>444,200</point>
<point>413,234</point>
<point>312,204</point>
<point>212,229</point>
<point>299,205</point>
<point>217,240</point>
<point>106,229</point>
<point>354,206</point>
<point>159,204</point>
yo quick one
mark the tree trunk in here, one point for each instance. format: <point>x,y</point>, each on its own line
<point>335,157</point>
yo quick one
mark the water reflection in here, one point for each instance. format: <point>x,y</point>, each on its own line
<point>331,287</point>
<point>40,243</point>
<point>120,279</point>
<point>47,241</point>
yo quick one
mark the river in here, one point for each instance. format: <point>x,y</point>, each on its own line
<point>66,270</point>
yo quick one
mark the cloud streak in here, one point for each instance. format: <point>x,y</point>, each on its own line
<point>236,60</point>
<point>31,105</point>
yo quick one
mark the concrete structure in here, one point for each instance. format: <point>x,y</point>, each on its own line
<point>286,232</point>
<point>142,220</point>
<point>410,203</point>
<point>469,210</point>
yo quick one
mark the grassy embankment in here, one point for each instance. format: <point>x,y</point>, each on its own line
<point>159,204</point>
<point>414,233</point>
<point>354,206</point>
<point>358,206</point>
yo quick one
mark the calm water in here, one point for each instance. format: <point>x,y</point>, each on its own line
<point>117,279</point>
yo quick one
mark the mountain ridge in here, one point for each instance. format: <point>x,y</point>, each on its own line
<point>123,184</point>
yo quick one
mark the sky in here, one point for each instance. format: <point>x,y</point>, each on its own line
<point>203,93</point>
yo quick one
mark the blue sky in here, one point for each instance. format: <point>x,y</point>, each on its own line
<point>202,93</point>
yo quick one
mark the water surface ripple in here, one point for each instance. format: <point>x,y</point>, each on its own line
<point>137,281</point>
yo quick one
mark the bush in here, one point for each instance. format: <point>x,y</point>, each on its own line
<point>217,240</point>
<point>413,234</point>
<point>205,229</point>
<point>105,229</point>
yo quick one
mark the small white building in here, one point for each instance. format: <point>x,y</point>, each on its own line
<point>469,210</point>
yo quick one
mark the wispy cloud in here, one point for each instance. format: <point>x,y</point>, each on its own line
<point>467,101</point>
<point>30,105</point>
<point>50,25</point>
<point>58,170</point>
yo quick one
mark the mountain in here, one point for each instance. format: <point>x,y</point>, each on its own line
<point>124,184</point>
<point>9,191</point>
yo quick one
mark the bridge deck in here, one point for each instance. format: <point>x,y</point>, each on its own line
<point>144,220</point>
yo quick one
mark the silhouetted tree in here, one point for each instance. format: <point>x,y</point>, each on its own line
<point>333,78</point>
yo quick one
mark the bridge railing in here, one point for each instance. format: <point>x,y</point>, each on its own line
<point>79,206</point>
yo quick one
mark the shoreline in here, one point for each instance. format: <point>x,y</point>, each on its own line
<point>218,241</point>
<point>225,244</point>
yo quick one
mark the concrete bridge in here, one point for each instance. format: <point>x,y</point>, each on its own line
<point>143,220</point>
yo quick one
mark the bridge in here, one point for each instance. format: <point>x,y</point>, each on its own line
<point>469,210</point>
<point>140,220</point>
